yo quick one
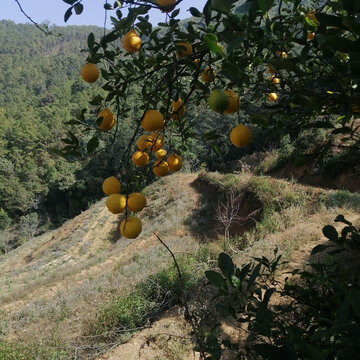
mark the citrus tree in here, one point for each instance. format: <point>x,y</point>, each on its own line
<point>284,66</point>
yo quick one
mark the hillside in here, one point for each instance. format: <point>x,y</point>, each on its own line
<point>62,289</point>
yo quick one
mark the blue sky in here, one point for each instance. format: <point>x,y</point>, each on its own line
<point>93,14</point>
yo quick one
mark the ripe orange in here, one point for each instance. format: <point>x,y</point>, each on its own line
<point>130,228</point>
<point>272,97</point>
<point>175,162</point>
<point>143,142</point>
<point>184,49</point>
<point>166,5</point>
<point>274,79</point>
<point>89,72</point>
<point>111,185</point>
<point>208,75</point>
<point>136,202</point>
<point>161,168</point>
<point>234,102</point>
<point>140,159</point>
<point>153,120</point>
<point>218,101</point>
<point>283,54</point>
<point>108,120</point>
<point>177,109</point>
<point>240,136</point>
<point>131,41</point>
<point>310,36</point>
<point>116,203</point>
<point>156,141</point>
<point>196,62</point>
<point>160,154</point>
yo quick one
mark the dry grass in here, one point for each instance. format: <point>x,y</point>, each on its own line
<point>51,287</point>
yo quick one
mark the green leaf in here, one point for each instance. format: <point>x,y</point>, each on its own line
<point>330,232</point>
<point>195,12</point>
<point>265,5</point>
<point>216,279</point>
<point>341,218</point>
<point>317,249</point>
<point>73,122</point>
<point>235,281</point>
<point>107,6</point>
<point>211,41</point>
<point>175,13</point>
<point>78,8</point>
<point>226,265</point>
<point>67,15</point>
<point>57,152</point>
<point>91,41</point>
<point>254,275</point>
<point>92,144</point>
<point>73,138</point>
<point>223,6</point>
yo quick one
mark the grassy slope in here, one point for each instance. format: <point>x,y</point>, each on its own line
<point>53,288</point>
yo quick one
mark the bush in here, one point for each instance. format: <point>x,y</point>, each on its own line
<point>152,296</point>
<point>4,219</point>
<point>319,315</point>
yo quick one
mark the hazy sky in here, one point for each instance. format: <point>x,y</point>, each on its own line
<point>93,14</point>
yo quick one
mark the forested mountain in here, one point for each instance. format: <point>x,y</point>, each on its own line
<point>40,89</point>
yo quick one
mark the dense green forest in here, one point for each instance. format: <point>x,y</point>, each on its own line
<point>40,90</point>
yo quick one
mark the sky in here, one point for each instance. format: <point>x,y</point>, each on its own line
<point>93,14</point>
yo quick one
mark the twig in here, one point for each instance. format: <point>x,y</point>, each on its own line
<point>188,316</point>
<point>46,32</point>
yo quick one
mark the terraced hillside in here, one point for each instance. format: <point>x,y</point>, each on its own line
<point>62,294</point>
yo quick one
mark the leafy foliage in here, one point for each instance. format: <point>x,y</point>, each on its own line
<point>318,318</point>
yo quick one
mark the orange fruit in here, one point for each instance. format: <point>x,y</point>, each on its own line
<point>143,142</point>
<point>240,136</point>
<point>166,5</point>
<point>175,162</point>
<point>116,203</point>
<point>234,102</point>
<point>131,41</point>
<point>153,120</point>
<point>111,185</point>
<point>136,202</point>
<point>160,154</point>
<point>310,36</point>
<point>130,228</point>
<point>272,97</point>
<point>196,62</point>
<point>283,54</point>
<point>184,49</point>
<point>108,119</point>
<point>208,75</point>
<point>89,72</point>
<point>218,101</point>
<point>156,141</point>
<point>161,168</point>
<point>148,142</point>
<point>274,79</point>
<point>177,109</point>
<point>140,159</point>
